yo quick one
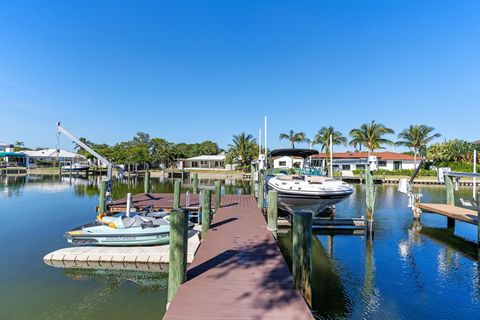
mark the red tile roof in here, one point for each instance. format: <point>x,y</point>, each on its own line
<point>386,155</point>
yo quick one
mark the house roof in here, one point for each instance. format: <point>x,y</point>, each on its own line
<point>304,153</point>
<point>386,155</point>
<point>216,157</point>
<point>52,153</point>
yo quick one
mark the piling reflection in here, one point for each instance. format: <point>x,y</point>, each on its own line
<point>370,293</point>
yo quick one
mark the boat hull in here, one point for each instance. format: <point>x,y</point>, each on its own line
<point>315,204</point>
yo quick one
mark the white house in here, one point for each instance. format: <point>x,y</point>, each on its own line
<point>205,162</point>
<point>287,162</point>
<point>50,156</point>
<point>346,162</point>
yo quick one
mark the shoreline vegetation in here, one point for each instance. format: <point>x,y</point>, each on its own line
<point>144,151</point>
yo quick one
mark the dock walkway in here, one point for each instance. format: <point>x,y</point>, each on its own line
<point>450,211</point>
<point>238,271</point>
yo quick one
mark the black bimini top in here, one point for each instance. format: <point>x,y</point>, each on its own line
<point>304,153</point>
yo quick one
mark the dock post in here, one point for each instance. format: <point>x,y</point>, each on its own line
<point>370,197</point>
<point>195,183</point>
<point>177,265</point>
<point>218,195</point>
<point>206,207</point>
<point>449,189</point>
<point>176,194</point>
<point>272,211</point>
<point>101,197</point>
<point>147,181</point>
<point>302,259</point>
<point>261,192</point>
<point>252,180</point>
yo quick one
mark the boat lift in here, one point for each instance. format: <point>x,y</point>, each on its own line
<point>102,159</point>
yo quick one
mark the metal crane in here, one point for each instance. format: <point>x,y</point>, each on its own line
<point>99,157</point>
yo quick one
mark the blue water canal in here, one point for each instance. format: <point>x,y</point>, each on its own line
<point>407,271</point>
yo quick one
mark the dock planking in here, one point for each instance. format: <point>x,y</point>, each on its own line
<point>238,271</point>
<point>162,201</point>
<point>450,211</point>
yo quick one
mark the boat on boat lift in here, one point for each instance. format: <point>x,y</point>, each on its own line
<point>307,191</point>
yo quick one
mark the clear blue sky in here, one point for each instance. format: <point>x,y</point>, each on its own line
<point>190,71</point>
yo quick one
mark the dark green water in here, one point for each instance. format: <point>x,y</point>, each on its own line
<point>406,272</point>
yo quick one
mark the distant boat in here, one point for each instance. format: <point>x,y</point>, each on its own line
<point>75,167</point>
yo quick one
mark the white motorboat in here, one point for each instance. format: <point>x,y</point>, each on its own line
<point>301,192</point>
<point>75,167</point>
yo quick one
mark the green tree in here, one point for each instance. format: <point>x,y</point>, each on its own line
<point>293,137</point>
<point>416,138</point>
<point>242,150</point>
<point>163,152</point>
<point>370,135</point>
<point>323,138</point>
<point>451,151</point>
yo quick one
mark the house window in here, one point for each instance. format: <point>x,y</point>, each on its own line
<point>346,167</point>
<point>282,163</point>
<point>397,165</point>
<point>360,166</point>
<point>382,163</point>
<point>194,164</point>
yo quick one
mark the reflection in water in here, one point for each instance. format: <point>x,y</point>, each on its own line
<point>371,295</point>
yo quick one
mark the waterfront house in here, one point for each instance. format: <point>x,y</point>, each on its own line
<point>50,157</point>
<point>346,162</point>
<point>205,162</point>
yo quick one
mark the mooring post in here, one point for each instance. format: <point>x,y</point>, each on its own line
<point>302,257</point>
<point>146,186</point>
<point>449,188</point>
<point>177,264</point>
<point>206,207</point>
<point>176,194</point>
<point>218,194</point>
<point>101,197</point>
<point>261,192</point>
<point>370,196</point>
<point>252,180</point>
<point>195,183</point>
<point>272,211</point>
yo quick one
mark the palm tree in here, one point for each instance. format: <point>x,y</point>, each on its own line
<point>416,138</point>
<point>293,137</point>
<point>370,135</point>
<point>323,138</point>
<point>244,148</point>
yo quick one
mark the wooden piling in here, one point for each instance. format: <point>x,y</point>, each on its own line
<point>218,194</point>
<point>177,267</point>
<point>272,211</point>
<point>206,207</point>
<point>146,185</point>
<point>101,197</point>
<point>252,180</point>
<point>449,188</point>
<point>176,194</point>
<point>195,183</point>
<point>261,192</point>
<point>302,257</point>
<point>370,195</point>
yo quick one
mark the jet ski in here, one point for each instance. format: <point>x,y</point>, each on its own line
<point>122,230</point>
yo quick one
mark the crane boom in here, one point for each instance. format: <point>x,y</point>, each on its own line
<point>102,159</point>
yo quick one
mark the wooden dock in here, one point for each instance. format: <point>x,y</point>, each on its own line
<point>450,211</point>
<point>146,258</point>
<point>238,271</point>
<point>162,201</point>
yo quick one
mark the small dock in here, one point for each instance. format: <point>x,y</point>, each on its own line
<point>451,211</point>
<point>146,258</point>
<point>238,271</point>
